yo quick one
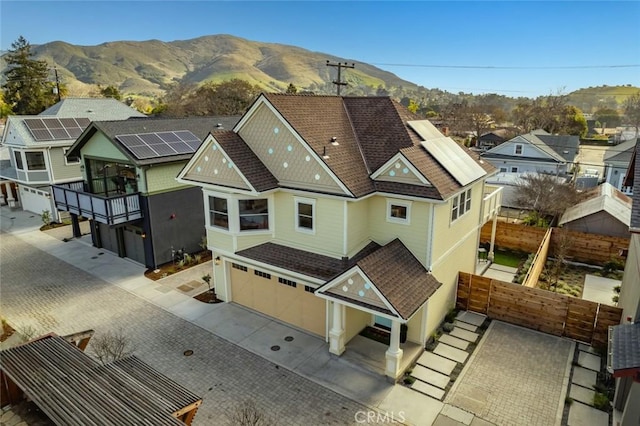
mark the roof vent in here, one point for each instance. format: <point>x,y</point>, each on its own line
<point>219,126</point>
<point>324,153</point>
<point>334,141</point>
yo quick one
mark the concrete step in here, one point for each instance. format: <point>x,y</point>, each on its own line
<point>428,390</point>
<point>430,377</point>
<point>450,352</point>
<point>471,318</point>
<point>584,377</point>
<point>465,326</point>
<point>590,361</point>
<point>584,395</point>
<point>464,334</point>
<point>454,341</point>
<point>436,363</point>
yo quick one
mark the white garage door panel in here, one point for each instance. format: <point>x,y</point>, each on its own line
<point>35,202</point>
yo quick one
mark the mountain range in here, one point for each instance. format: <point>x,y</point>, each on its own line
<point>148,68</point>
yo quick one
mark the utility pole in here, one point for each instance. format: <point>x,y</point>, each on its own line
<point>55,71</point>
<point>339,65</point>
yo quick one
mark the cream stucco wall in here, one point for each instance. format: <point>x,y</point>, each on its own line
<point>327,238</point>
<point>414,327</point>
<point>414,235</point>
<point>357,225</point>
<point>630,288</point>
<point>355,321</point>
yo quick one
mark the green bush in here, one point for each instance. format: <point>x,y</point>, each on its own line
<point>601,401</point>
<point>409,380</point>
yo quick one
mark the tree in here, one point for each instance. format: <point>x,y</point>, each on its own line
<point>550,113</point>
<point>111,92</point>
<point>608,117</point>
<point>632,111</point>
<point>27,89</point>
<point>545,194</point>
<point>292,89</point>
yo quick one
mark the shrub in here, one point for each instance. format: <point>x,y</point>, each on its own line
<point>451,315</point>
<point>601,401</point>
<point>409,380</point>
<point>46,217</point>
<point>448,327</point>
<point>611,267</point>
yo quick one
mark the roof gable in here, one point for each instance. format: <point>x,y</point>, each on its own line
<point>356,286</point>
<point>604,198</point>
<point>399,169</point>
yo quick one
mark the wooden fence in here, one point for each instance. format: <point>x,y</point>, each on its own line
<point>594,249</point>
<point>537,309</point>
<point>539,262</point>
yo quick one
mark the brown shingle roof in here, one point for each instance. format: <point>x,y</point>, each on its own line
<point>304,262</point>
<point>400,277</point>
<point>244,158</point>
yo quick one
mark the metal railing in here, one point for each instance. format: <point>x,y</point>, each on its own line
<point>112,210</point>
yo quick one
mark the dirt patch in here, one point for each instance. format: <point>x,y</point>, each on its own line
<point>169,268</point>
<point>571,279</point>
<point>208,296</point>
<point>7,331</point>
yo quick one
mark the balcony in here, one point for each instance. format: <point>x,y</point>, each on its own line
<point>491,202</point>
<point>113,210</point>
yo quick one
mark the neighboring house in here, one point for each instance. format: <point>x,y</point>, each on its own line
<point>604,210</point>
<point>510,184</point>
<point>492,139</point>
<point>624,341</point>
<point>129,191</point>
<point>337,213</point>
<point>36,146</point>
<point>536,152</point>
<point>616,161</point>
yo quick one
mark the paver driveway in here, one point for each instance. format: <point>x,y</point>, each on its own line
<point>37,288</point>
<point>516,377</point>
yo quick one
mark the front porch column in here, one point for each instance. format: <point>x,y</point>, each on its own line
<point>10,200</point>
<point>394,353</point>
<point>491,254</point>
<point>336,334</point>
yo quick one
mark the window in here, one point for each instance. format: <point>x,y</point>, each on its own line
<point>70,160</point>
<point>398,211</point>
<point>239,267</point>
<point>17,155</point>
<point>518,149</point>
<point>460,204</point>
<point>287,282</point>
<point>305,212</point>
<point>309,289</point>
<point>254,214</point>
<point>514,170</point>
<point>503,169</point>
<point>218,212</point>
<point>35,160</point>
<point>262,274</point>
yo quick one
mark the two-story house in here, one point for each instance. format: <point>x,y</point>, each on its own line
<point>128,189</point>
<point>623,360</point>
<point>37,145</point>
<point>535,152</point>
<point>337,213</point>
<point>616,163</point>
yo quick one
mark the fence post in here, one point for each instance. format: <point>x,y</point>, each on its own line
<point>469,295</point>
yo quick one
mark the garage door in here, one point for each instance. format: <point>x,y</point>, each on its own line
<point>35,200</point>
<point>283,299</point>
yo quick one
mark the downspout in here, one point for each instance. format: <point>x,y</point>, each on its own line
<point>429,258</point>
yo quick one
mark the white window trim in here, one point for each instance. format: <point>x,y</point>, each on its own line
<point>233,212</point>
<point>403,203</point>
<point>297,201</point>
<point>22,158</point>
<point>66,162</point>
<point>515,149</point>
<point>463,209</point>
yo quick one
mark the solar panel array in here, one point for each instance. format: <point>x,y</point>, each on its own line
<point>55,129</point>
<point>160,144</point>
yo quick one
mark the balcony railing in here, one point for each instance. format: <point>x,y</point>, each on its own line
<point>112,210</point>
<point>491,202</point>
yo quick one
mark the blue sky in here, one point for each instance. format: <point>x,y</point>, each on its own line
<point>516,48</point>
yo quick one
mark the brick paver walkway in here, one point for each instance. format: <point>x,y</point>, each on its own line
<point>38,289</point>
<point>517,377</point>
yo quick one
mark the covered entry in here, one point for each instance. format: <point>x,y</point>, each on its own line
<point>278,297</point>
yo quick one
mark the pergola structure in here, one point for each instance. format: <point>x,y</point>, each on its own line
<point>72,388</point>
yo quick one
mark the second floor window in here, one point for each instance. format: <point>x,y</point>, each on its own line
<point>18,157</point>
<point>305,212</point>
<point>518,149</point>
<point>35,161</point>
<point>460,204</point>
<point>219,214</point>
<point>398,211</point>
<point>254,214</point>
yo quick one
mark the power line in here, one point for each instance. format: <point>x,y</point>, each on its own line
<point>492,67</point>
<point>339,65</point>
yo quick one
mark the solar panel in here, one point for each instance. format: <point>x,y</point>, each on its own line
<point>448,153</point>
<point>160,144</point>
<point>52,129</point>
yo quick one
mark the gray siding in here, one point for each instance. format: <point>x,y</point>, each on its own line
<point>60,170</point>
